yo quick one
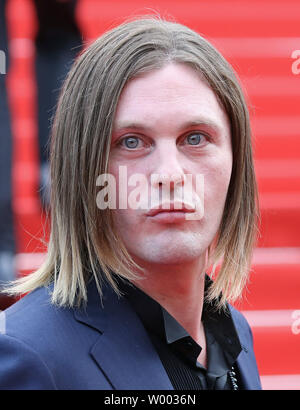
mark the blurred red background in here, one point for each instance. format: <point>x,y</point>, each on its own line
<point>258,38</point>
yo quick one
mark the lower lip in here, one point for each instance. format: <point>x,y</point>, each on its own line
<point>169,217</point>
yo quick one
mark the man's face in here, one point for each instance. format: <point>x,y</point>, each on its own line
<point>168,122</point>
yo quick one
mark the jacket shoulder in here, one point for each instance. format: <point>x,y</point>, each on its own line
<point>22,367</point>
<point>44,346</point>
<point>29,317</point>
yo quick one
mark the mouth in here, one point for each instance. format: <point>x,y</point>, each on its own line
<point>171,208</point>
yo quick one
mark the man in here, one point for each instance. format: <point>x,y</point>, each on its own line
<point>123,300</point>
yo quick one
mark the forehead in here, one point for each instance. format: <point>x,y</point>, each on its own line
<point>170,96</point>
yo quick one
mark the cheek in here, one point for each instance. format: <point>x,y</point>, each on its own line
<point>123,222</point>
<point>113,169</point>
<point>216,182</point>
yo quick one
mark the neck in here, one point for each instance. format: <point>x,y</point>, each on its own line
<point>179,289</point>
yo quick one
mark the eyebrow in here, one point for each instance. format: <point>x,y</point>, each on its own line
<point>207,122</point>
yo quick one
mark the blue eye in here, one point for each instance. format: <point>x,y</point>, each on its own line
<point>194,139</point>
<point>131,142</point>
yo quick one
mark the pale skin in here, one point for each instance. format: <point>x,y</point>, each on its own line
<point>170,122</point>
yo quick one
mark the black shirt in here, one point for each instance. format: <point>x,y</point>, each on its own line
<point>178,351</point>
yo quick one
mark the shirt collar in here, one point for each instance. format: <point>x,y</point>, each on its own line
<point>173,330</point>
<point>218,324</point>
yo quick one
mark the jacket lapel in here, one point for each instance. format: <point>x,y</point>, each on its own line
<point>246,361</point>
<point>124,351</point>
<point>248,371</point>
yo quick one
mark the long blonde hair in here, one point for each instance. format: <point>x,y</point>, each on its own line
<point>83,242</point>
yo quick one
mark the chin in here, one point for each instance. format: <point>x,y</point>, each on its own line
<point>171,252</point>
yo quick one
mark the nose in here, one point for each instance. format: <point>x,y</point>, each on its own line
<point>167,169</point>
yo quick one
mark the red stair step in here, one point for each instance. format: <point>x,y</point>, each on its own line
<point>274,280</point>
<point>277,348</point>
